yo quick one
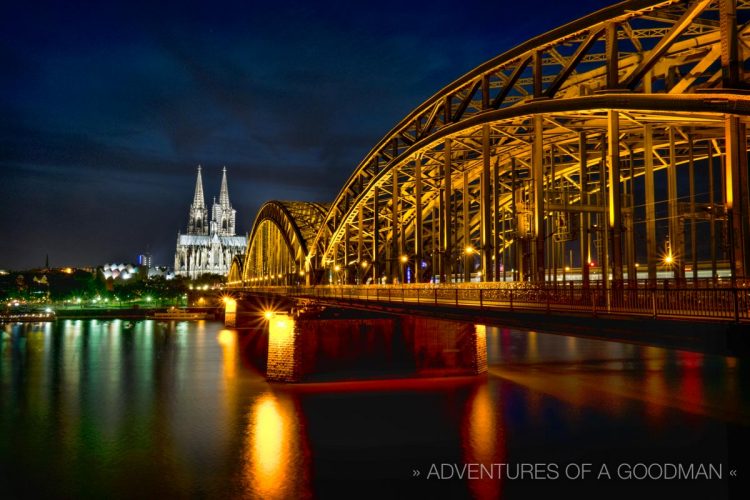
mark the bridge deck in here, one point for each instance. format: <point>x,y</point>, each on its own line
<point>712,304</point>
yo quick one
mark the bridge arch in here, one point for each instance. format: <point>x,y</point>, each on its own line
<point>544,160</point>
<point>234,277</point>
<point>279,241</point>
<point>612,147</point>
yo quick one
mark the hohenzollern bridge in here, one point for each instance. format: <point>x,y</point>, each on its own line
<point>609,154</point>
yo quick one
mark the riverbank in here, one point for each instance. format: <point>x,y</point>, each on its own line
<point>108,313</point>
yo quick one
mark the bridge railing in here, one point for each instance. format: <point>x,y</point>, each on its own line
<point>730,303</point>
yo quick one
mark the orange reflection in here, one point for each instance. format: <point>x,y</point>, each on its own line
<point>274,450</point>
<point>483,442</point>
<point>480,355</point>
<point>228,342</point>
<point>533,346</point>
<point>269,445</point>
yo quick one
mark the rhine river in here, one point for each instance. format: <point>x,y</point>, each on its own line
<point>115,409</point>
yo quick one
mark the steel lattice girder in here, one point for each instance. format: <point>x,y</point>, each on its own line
<point>657,63</point>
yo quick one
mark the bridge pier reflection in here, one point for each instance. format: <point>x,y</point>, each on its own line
<point>301,349</point>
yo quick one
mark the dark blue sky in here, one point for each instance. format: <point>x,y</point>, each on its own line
<point>106,108</point>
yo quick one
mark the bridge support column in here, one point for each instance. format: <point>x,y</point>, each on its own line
<point>500,250</point>
<point>584,200</point>
<point>468,250</point>
<point>345,262</point>
<point>537,173</point>
<point>396,271</point>
<point>375,235</point>
<point>360,245</point>
<point>446,271</point>
<point>648,162</point>
<point>693,235</point>
<point>485,204</point>
<point>615,199</point>
<point>418,232</point>
<point>518,243</point>
<point>629,220</point>
<point>712,203</point>
<point>737,201</point>
<point>676,233</point>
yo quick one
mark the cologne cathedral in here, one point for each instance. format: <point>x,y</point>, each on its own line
<point>208,247</point>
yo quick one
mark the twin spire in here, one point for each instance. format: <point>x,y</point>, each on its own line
<point>199,198</point>
<point>222,215</point>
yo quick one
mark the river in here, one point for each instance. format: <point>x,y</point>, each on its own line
<point>118,409</point>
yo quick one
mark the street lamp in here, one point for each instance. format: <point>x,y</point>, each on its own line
<point>404,259</point>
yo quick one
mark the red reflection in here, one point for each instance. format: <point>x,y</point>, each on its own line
<point>691,387</point>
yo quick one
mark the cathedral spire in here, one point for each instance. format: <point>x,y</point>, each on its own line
<point>198,200</point>
<point>198,221</point>
<point>224,193</point>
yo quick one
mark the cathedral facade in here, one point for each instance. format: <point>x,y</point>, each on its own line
<point>209,245</point>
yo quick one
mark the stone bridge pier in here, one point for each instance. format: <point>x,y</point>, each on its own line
<point>335,345</point>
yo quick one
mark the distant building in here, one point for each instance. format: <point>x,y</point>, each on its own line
<point>208,247</point>
<point>144,259</point>
<point>160,272</point>
<point>119,271</point>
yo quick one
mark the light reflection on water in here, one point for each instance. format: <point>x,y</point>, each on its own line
<point>122,409</point>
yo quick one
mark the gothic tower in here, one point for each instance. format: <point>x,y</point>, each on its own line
<point>198,219</point>
<point>223,215</point>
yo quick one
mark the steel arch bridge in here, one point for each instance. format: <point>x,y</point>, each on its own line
<point>615,142</point>
<point>279,243</point>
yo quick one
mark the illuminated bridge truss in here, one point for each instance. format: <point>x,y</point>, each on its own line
<point>617,141</point>
<point>279,242</point>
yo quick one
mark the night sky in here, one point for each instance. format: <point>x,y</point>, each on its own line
<point>106,110</point>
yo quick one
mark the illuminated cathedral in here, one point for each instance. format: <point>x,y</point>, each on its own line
<point>209,246</point>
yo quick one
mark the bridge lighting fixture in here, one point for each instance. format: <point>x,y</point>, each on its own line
<point>469,250</point>
<point>668,259</point>
<point>269,315</point>
<point>364,264</point>
<point>404,259</point>
<point>337,268</point>
<point>302,273</point>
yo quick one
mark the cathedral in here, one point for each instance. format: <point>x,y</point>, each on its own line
<point>208,247</point>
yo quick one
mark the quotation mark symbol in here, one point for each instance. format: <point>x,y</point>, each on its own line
<point>415,473</point>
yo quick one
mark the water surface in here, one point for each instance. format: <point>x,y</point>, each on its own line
<point>115,409</point>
